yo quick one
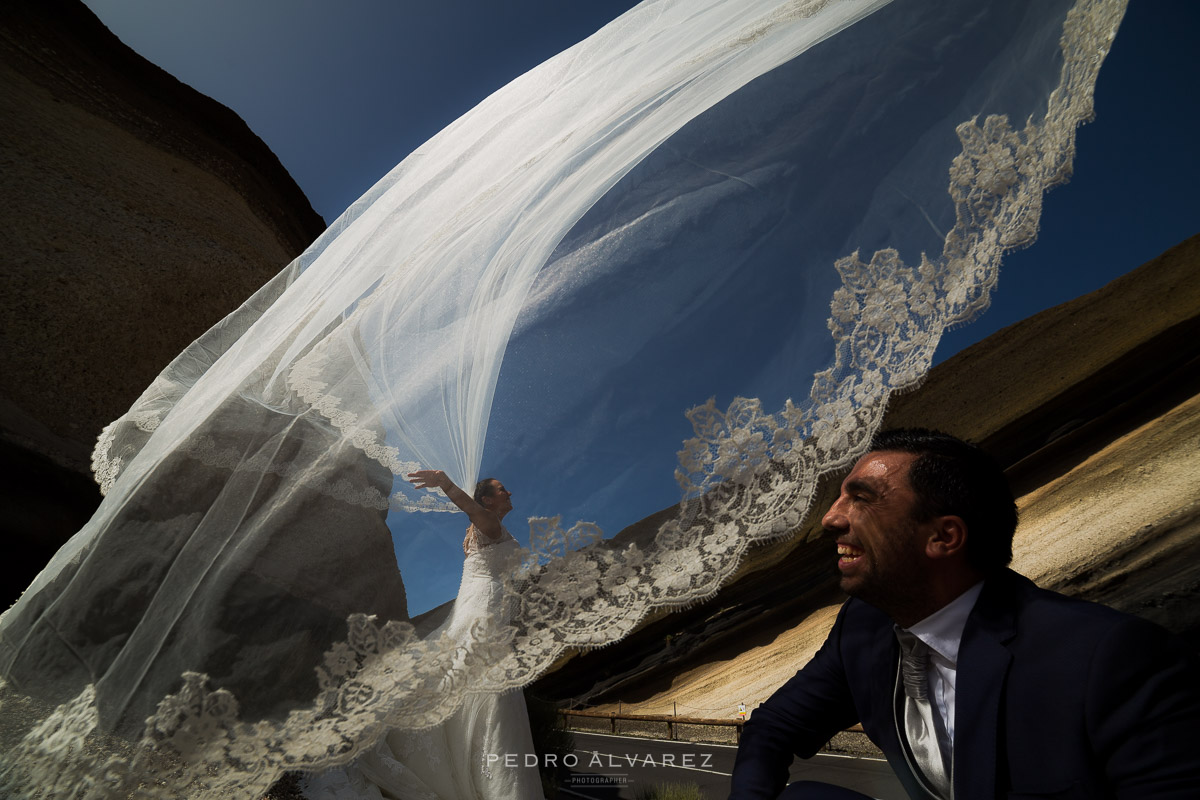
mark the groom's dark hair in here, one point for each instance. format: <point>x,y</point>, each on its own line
<point>950,476</point>
<point>484,488</point>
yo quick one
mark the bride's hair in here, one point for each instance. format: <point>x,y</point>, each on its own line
<point>484,489</point>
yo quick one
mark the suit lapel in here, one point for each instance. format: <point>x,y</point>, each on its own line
<point>885,655</point>
<point>883,662</point>
<point>983,663</point>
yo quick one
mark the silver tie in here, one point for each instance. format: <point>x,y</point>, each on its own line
<point>918,724</point>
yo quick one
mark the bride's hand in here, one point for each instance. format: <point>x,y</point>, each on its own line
<point>482,518</point>
<point>428,479</point>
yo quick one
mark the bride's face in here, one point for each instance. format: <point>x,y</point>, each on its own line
<point>500,500</point>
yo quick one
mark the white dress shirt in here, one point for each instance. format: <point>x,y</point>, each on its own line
<point>942,631</point>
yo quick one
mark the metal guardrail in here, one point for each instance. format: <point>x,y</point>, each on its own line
<point>671,721</point>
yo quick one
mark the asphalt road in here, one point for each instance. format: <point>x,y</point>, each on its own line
<point>621,768</point>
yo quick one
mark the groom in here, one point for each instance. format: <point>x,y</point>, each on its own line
<point>1004,689</point>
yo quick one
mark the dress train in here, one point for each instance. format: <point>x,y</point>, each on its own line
<point>484,751</point>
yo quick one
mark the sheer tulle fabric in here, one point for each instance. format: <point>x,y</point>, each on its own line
<point>787,194</point>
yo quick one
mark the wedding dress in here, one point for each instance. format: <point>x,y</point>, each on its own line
<point>481,751</point>
<point>789,199</point>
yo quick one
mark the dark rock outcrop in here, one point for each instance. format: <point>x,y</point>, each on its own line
<point>138,213</point>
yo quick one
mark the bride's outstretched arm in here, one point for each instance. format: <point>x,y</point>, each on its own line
<point>486,521</point>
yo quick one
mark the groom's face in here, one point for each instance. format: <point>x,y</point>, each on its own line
<point>880,543</point>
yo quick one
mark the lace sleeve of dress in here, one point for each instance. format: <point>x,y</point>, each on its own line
<point>476,539</point>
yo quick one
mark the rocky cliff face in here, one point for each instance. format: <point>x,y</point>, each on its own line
<point>138,212</point>
<point>1094,409</point>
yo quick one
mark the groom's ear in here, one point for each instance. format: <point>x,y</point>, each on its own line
<point>948,537</point>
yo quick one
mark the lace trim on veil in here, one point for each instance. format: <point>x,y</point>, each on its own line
<point>749,477</point>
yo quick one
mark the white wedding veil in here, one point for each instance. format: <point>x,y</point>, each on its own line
<point>799,196</point>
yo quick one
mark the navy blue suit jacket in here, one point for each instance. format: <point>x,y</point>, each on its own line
<point>1055,697</point>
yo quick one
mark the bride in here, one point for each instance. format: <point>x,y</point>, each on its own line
<point>480,751</point>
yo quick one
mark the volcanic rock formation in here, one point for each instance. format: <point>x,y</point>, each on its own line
<point>138,213</point>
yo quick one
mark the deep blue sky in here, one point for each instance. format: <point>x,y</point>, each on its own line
<point>341,92</point>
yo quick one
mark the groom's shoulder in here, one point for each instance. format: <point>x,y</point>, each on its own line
<point>1011,592</point>
<point>1062,620</point>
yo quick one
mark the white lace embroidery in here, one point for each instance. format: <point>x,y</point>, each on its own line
<point>105,466</point>
<point>547,539</point>
<point>305,381</point>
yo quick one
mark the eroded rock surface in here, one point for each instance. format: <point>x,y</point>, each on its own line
<point>138,213</point>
